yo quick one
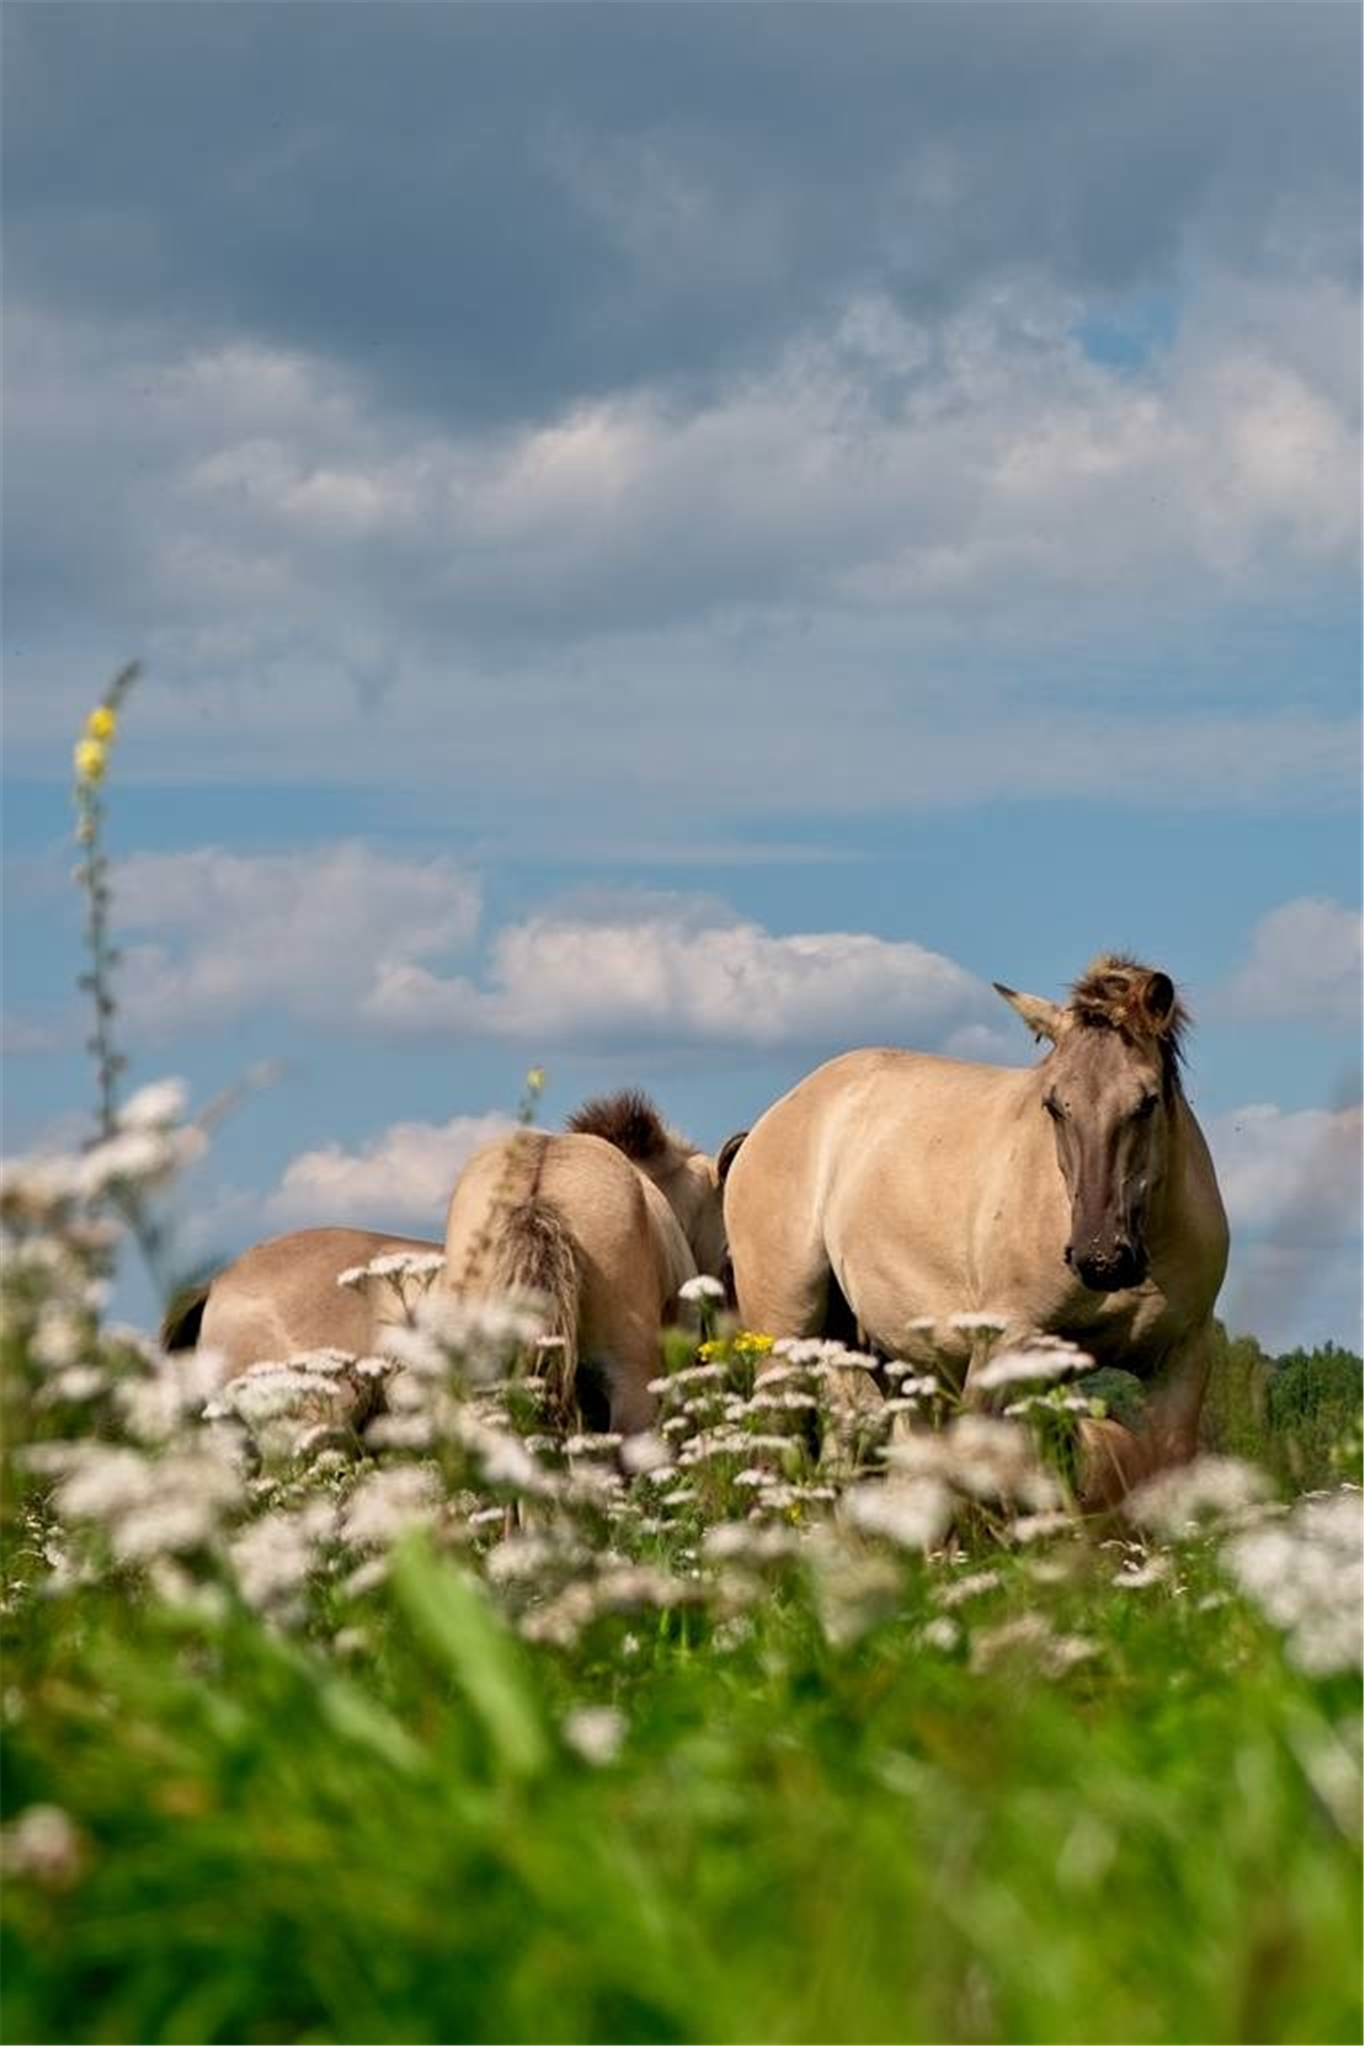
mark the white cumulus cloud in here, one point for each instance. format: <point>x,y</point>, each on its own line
<point>1291,1183</point>
<point>308,932</point>
<point>663,978</point>
<point>1306,960</point>
<point>400,1179</point>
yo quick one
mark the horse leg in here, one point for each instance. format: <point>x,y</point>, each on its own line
<point>783,1288</point>
<point>619,1343</point>
<point>1117,1457</point>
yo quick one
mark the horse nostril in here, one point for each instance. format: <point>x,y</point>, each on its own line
<point>1068,1255</point>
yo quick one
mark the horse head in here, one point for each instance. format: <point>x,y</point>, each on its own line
<point>1110,1085</point>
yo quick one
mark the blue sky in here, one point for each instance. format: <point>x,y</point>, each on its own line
<point>668,542</point>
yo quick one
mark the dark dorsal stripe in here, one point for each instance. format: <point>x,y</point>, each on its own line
<point>628,1120</point>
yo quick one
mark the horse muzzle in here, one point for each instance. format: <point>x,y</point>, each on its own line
<point>1108,1271</point>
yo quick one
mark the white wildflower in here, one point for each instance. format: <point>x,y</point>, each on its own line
<point>503,1459</point>
<point>1213,1488</point>
<point>1038,1527</point>
<point>104,1480</point>
<point>526,1558</point>
<point>914,1513</point>
<point>736,1541</point>
<point>1306,1574</point>
<point>595,1733</point>
<point>400,1431</point>
<point>407,1264</point>
<point>1135,1576</point>
<point>1030,1366</point>
<point>156,1407</point>
<point>958,1590</point>
<point>155,1106</point>
<point>983,1323</point>
<point>941,1633</point>
<point>692,1376</point>
<point>44,1845</point>
<point>78,1383</point>
<point>273,1556</point>
<point>1030,1638</point>
<point>62,1336</point>
<point>702,1287</point>
<point>34,1190</point>
<point>982,1457</point>
<point>644,1454</point>
<point>386,1503</point>
<point>483,1337</point>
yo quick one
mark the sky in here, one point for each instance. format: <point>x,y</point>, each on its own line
<point>670,541</point>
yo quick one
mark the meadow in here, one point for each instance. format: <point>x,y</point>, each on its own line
<point>354,1701</point>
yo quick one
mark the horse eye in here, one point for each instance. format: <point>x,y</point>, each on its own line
<point>1053,1107</point>
<point>1146,1106</point>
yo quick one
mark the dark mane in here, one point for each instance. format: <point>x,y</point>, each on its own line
<point>1109,996</point>
<point>628,1120</point>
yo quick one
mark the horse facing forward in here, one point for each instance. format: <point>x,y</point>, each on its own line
<point>1074,1198</point>
<point>608,1220</point>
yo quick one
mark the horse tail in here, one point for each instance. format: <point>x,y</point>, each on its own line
<point>184,1316</point>
<point>537,1252</point>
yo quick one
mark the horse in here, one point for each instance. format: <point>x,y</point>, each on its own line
<point>607,1221</point>
<point>284,1296</point>
<point>1073,1198</point>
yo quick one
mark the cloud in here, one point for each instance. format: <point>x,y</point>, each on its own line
<point>615,201</point>
<point>940,521</point>
<point>1290,1176</point>
<point>401,1179</point>
<point>1306,960</point>
<point>664,979</point>
<point>632,419</point>
<point>1290,1180</point>
<point>310,933</point>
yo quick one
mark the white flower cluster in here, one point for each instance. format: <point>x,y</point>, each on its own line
<point>1305,1571</point>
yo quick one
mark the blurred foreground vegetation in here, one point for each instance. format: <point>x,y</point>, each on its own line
<point>749,1746</point>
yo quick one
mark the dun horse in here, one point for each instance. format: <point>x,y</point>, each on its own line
<point>283,1296</point>
<point>608,1220</point>
<point>1074,1198</point>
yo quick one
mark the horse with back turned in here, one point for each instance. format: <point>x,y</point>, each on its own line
<point>606,1221</point>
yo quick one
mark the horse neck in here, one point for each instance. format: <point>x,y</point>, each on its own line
<point>1187,1160</point>
<point>681,1188</point>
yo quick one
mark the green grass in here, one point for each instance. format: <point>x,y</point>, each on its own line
<point>796,1842</point>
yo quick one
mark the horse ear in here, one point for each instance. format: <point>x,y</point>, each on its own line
<point>1158,1001</point>
<point>726,1155</point>
<point>1042,1017</point>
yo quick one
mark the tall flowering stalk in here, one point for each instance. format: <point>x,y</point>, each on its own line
<point>528,1107</point>
<point>91,759</point>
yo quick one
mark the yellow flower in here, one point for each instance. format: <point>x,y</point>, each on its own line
<point>101,724</point>
<point>90,759</point>
<point>535,1080</point>
<point>749,1343</point>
